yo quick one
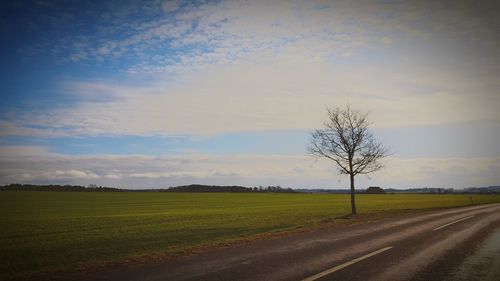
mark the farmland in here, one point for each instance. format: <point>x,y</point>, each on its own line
<point>44,231</point>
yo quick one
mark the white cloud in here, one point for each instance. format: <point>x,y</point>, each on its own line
<point>280,95</point>
<point>232,29</point>
<point>259,65</point>
<point>68,174</point>
<point>138,171</point>
<point>145,32</point>
<point>171,5</point>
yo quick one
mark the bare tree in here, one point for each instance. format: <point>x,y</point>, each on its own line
<point>347,141</point>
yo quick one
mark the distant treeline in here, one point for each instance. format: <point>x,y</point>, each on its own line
<point>438,190</point>
<point>425,190</point>
<point>489,189</point>
<point>183,188</point>
<point>237,188</point>
<point>228,188</point>
<point>429,190</point>
<point>369,190</point>
<point>55,187</point>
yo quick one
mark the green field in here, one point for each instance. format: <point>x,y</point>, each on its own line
<point>43,231</point>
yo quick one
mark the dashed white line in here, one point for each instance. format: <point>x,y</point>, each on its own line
<point>450,223</point>
<point>339,267</point>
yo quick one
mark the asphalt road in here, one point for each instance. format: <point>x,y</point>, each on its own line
<point>452,244</point>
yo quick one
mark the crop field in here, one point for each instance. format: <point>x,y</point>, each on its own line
<point>46,231</point>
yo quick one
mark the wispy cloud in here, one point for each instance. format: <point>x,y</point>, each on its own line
<point>231,66</point>
<point>165,36</point>
<point>171,5</point>
<point>137,171</point>
<point>228,30</point>
<point>283,95</point>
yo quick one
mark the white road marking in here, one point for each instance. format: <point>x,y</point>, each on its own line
<point>339,267</point>
<point>450,223</point>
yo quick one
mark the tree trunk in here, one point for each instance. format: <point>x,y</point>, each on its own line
<point>353,202</point>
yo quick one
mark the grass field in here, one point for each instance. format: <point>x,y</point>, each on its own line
<point>43,231</point>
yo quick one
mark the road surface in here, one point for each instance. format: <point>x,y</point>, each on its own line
<point>452,244</point>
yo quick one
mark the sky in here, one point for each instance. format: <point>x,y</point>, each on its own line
<point>152,94</point>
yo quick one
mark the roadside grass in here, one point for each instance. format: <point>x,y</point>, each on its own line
<point>48,231</point>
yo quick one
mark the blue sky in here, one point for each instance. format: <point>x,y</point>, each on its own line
<point>142,94</point>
